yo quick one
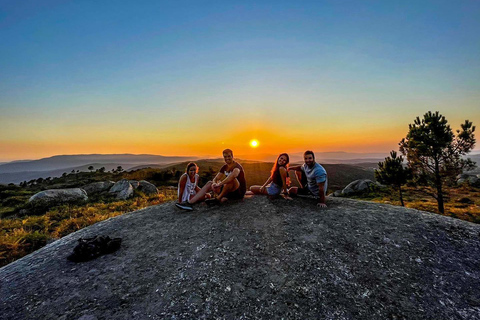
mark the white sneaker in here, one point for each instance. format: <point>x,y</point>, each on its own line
<point>184,206</point>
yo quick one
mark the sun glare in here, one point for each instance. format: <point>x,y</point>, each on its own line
<point>254,143</point>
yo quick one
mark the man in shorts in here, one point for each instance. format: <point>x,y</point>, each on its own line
<point>312,178</point>
<point>229,183</point>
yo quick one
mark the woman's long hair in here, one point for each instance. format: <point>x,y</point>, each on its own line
<point>191,164</point>
<point>275,173</point>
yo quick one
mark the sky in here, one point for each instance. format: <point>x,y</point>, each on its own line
<point>196,77</point>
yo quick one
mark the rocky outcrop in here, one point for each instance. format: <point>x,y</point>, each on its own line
<point>54,197</point>
<point>471,179</point>
<point>358,186</point>
<point>147,188</point>
<point>134,183</point>
<point>257,259</point>
<point>122,189</point>
<point>98,187</point>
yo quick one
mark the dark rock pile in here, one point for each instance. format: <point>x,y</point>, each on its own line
<point>254,259</point>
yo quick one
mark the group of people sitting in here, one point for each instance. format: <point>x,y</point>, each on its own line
<point>230,183</point>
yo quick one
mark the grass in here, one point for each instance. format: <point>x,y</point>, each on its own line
<point>460,202</point>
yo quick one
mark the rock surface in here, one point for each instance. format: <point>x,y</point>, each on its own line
<point>122,189</point>
<point>357,186</point>
<point>257,259</point>
<point>98,187</point>
<point>134,183</point>
<point>147,188</point>
<point>55,197</point>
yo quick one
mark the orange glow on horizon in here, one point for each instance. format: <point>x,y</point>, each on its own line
<point>210,144</point>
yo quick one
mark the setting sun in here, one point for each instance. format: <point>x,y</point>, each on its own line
<point>254,143</point>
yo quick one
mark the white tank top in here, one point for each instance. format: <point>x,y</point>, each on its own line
<point>189,188</point>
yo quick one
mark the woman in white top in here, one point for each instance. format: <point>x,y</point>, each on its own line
<point>188,190</point>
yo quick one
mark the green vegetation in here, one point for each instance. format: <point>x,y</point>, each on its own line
<point>434,153</point>
<point>392,173</point>
<point>435,156</point>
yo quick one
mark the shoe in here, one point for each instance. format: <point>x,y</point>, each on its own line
<point>184,206</point>
<point>212,202</point>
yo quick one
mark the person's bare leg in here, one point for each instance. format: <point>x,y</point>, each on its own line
<point>201,194</point>
<point>229,187</point>
<point>256,190</point>
<point>293,191</point>
<point>298,175</point>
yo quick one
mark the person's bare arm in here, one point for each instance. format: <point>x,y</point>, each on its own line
<point>295,168</point>
<point>230,177</point>
<point>181,187</point>
<point>321,195</point>
<point>284,175</point>
<point>262,188</point>
<point>216,182</point>
<point>219,177</point>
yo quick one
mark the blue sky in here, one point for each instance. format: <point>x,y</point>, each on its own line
<point>186,77</point>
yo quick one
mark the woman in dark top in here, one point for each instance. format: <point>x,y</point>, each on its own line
<point>277,182</point>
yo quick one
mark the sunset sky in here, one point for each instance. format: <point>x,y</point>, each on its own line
<point>195,77</point>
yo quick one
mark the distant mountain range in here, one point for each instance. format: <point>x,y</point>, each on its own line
<point>25,170</point>
<point>18,171</point>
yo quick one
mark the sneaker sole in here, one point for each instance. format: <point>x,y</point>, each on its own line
<point>179,206</point>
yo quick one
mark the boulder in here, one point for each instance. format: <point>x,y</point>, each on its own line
<point>98,187</point>
<point>119,186</point>
<point>337,193</point>
<point>147,188</point>
<point>134,183</point>
<point>471,179</point>
<point>125,193</point>
<point>122,189</point>
<point>53,197</point>
<point>358,186</point>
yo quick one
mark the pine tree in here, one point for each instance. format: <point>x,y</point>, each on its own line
<point>391,172</point>
<point>435,154</point>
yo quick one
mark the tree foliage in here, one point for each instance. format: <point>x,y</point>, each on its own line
<point>393,173</point>
<point>435,154</point>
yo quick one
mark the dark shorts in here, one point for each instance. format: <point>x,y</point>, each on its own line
<point>306,192</point>
<point>234,195</point>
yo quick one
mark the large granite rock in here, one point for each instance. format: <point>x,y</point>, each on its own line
<point>122,189</point>
<point>54,197</point>
<point>358,186</point>
<point>257,259</point>
<point>134,183</point>
<point>98,187</point>
<point>147,188</point>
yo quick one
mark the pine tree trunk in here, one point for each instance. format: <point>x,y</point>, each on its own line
<point>438,185</point>
<point>401,197</point>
